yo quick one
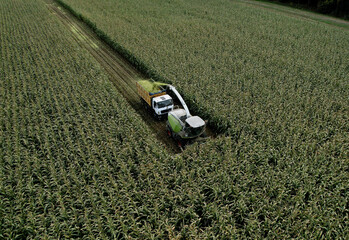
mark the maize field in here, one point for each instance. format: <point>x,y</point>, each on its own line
<point>77,161</point>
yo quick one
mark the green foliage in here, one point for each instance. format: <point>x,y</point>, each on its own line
<point>276,82</point>
<point>339,8</point>
<point>72,151</point>
<point>137,63</point>
<point>326,6</point>
<point>77,162</point>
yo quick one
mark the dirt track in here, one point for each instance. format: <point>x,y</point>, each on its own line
<point>121,73</point>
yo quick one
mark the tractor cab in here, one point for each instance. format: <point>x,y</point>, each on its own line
<point>162,104</point>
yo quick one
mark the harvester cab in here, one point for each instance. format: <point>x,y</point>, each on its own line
<point>181,125</point>
<point>185,127</point>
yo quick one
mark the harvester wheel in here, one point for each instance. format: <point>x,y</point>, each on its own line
<point>156,117</point>
<point>169,131</point>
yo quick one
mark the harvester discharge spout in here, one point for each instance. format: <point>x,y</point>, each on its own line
<point>174,90</point>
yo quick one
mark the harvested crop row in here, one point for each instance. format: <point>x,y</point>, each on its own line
<point>71,148</point>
